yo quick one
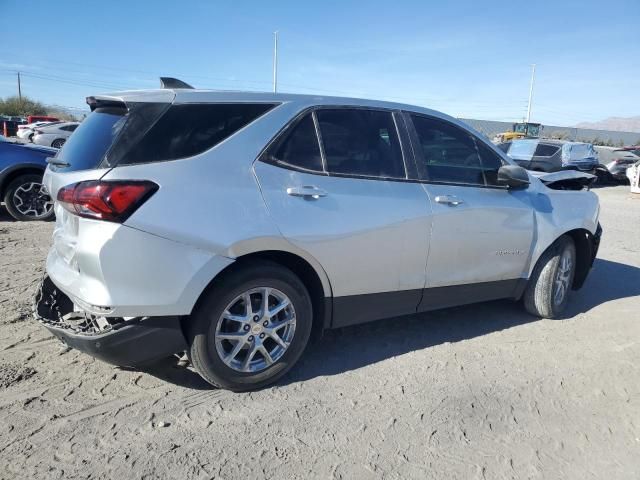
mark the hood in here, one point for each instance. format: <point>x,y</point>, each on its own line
<point>565,179</point>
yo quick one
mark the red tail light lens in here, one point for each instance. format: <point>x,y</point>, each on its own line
<point>113,201</point>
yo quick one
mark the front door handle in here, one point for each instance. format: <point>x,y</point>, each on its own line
<point>449,200</point>
<point>308,192</point>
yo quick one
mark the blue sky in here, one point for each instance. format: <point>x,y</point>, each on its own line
<point>466,58</point>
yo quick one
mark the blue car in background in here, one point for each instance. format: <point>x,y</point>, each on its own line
<point>21,189</point>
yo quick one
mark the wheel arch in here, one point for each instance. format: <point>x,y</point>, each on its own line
<point>10,174</point>
<point>310,273</point>
<point>586,248</point>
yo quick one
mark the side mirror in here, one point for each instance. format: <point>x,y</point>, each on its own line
<point>513,176</point>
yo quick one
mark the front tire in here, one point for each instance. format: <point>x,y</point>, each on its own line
<point>26,199</point>
<point>548,289</point>
<point>251,327</point>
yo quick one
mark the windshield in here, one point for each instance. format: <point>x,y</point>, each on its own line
<point>522,149</point>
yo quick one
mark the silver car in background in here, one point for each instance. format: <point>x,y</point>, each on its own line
<point>54,135</point>
<point>233,225</point>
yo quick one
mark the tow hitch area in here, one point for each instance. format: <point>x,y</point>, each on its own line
<point>116,340</point>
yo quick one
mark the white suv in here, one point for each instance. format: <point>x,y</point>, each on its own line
<point>232,225</point>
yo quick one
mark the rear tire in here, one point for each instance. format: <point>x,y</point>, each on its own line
<point>217,359</point>
<point>58,143</point>
<point>548,288</point>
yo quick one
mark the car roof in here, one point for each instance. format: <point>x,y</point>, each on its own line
<point>179,95</point>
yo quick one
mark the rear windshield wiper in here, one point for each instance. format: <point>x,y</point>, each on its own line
<point>58,163</point>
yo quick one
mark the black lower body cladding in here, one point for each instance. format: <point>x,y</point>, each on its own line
<point>130,343</point>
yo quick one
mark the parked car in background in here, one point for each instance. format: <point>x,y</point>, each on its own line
<point>633,174</point>
<point>231,225</point>
<point>619,160</point>
<point>26,132</point>
<point>41,118</point>
<point>547,155</point>
<point>21,189</point>
<point>54,135</point>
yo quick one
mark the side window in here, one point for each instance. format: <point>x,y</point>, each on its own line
<point>361,142</point>
<point>299,148</point>
<point>543,150</point>
<point>185,130</point>
<point>490,161</point>
<point>449,154</point>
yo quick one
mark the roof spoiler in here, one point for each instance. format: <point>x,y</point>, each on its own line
<point>170,82</point>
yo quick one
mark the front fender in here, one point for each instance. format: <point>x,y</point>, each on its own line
<point>558,212</point>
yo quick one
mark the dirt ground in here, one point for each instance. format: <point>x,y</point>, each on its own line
<point>484,391</point>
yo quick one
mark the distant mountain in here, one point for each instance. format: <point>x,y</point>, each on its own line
<point>618,124</point>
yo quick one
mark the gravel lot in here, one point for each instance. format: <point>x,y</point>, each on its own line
<point>484,391</point>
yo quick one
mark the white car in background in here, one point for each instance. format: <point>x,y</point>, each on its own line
<point>26,132</point>
<point>633,174</point>
<point>54,135</point>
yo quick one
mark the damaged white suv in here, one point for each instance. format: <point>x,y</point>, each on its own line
<point>233,225</point>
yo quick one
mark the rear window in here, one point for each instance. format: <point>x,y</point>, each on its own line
<point>578,151</point>
<point>91,140</point>
<point>152,132</point>
<point>522,149</point>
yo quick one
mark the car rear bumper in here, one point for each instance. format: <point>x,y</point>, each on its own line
<point>113,270</point>
<point>129,342</point>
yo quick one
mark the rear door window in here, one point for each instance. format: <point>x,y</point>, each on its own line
<point>299,148</point>
<point>361,142</point>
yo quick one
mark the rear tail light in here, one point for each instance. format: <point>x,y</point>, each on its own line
<point>113,201</point>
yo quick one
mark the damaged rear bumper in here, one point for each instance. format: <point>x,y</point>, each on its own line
<point>122,342</point>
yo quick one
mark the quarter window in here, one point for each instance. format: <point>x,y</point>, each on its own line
<point>451,155</point>
<point>361,142</point>
<point>300,148</point>
<point>189,129</point>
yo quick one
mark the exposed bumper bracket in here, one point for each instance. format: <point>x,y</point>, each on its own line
<point>123,342</point>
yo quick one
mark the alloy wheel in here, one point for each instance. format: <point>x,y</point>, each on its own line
<point>255,330</point>
<point>563,277</point>
<point>32,199</point>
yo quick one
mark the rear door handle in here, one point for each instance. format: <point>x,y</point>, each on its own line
<point>449,200</point>
<point>308,192</point>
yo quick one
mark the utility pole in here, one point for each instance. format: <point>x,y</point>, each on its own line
<point>533,76</point>
<point>275,61</point>
<point>19,88</point>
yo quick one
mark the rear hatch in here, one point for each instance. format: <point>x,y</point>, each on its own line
<point>579,155</point>
<point>116,123</point>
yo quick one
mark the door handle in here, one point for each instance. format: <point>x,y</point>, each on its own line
<point>308,192</point>
<point>449,200</point>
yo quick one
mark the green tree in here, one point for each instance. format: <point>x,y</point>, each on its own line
<point>14,106</point>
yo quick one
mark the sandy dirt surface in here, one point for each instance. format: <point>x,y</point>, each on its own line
<point>484,391</point>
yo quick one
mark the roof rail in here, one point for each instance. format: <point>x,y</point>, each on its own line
<point>170,82</point>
